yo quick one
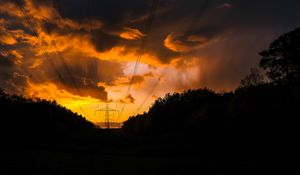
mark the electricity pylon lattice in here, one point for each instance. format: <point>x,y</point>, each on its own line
<point>107,112</point>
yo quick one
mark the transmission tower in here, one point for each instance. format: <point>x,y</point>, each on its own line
<point>107,114</point>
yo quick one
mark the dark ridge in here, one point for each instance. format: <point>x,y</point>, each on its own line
<point>36,121</point>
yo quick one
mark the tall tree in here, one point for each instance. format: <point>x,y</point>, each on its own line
<point>282,59</point>
<point>253,79</point>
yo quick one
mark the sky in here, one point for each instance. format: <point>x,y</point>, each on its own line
<point>127,53</point>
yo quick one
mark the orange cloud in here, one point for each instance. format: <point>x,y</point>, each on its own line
<point>128,99</point>
<point>11,9</point>
<point>38,14</point>
<point>34,15</point>
<point>182,43</point>
<point>45,12</point>
<point>71,41</point>
<point>22,37</point>
<point>40,11</point>
<point>175,45</point>
<point>125,81</point>
<point>36,63</point>
<point>131,34</point>
<point>7,39</point>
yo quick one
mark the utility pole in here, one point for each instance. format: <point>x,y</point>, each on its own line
<point>107,111</point>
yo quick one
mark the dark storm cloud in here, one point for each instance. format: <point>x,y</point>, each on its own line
<point>15,84</point>
<point>244,28</point>
<point>80,75</point>
<point>111,12</point>
<point>115,15</point>
<point>243,16</point>
<point>164,54</point>
<point>12,80</point>
<point>128,99</point>
<point>179,16</point>
<point>239,29</point>
<point>136,79</point>
<point>6,61</point>
<point>76,73</point>
<point>257,12</point>
<point>192,40</point>
<point>104,42</point>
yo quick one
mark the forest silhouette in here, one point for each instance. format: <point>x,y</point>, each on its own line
<point>257,121</point>
<point>36,121</point>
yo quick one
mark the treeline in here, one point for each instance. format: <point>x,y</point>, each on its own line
<point>37,121</point>
<point>264,105</point>
<point>260,110</point>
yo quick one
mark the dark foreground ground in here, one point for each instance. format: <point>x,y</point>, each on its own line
<point>45,162</point>
<point>155,156</point>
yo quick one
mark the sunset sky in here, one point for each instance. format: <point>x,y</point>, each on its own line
<point>83,53</point>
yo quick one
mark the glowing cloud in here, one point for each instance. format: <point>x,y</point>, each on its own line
<point>131,34</point>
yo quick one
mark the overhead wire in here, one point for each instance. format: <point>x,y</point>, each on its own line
<point>150,92</point>
<point>30,24</point>
<point>190,26</point>
<point>147,30</point>
<point>32,76</point>
<point>148,27</point>
<point>44,44</point>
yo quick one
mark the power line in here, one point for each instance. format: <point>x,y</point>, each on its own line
<point>4,52</point>
<point>148,27</point>
<point>190,26</point>
<point>44,44</point>
<point>30,23</point>
<point>197,16</point>
<point>150,92</point>
<point>30,73</point>
<point>66,67</point>
<point>107,110</point>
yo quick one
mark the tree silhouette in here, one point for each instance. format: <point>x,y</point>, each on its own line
<point>282,59</point>
<point>253,79</point>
